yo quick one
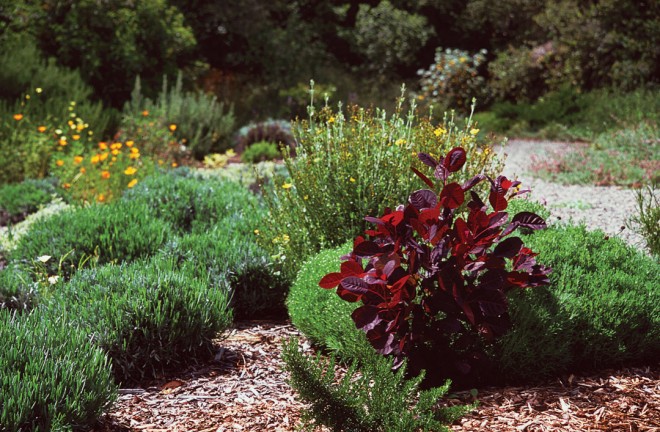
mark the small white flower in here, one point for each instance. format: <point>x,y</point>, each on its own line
<point>53,279</point>
<point>44,258</point>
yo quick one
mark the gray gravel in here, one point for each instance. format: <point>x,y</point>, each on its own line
<point>599,207</point>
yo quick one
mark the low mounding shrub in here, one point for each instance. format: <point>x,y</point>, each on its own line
<point>272,131</point>
<point>111,233</point>
<point>17,289</point>
<point>601,310</point>
<point>149,316</point>
<point>257,290</point>
<point>322,316</point>
<point>371,398</point>
<point>260,152</point>
<point>19,200</point>
<point>51,375</point>
<point>192,203</point>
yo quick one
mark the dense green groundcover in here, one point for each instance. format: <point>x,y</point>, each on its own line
<point>190,203</point>
<point>119,232</point>
<point>149,316</point>
<point>602,309</point>
<point>20,199</point>
<point>17,289</point>
<point>53,377</point>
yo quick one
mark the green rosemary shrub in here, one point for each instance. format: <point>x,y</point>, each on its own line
<point>602,308</point>
<point>647,220</point>
<point>149,316</point>
<point>20,199</point>
<point>319,313</point>
<point>51,375</point>
<point>369,398</point>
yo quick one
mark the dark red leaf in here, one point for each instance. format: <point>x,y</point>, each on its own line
<point>493,280</point>
<point>529,220</point>
<point>374,220</point>
<point>441,172</point>
<point>366,248</point>
<point>351,268</point>
<point>455,159</point>
<point>355,285</point>
<point>497,200</point>
<point>452,196</point>
<point>423,199</point>
<point>421,175</point>
<point>476,203</point>
<point>473,182</point>
<point>366,317</point>
<point>491,303</point>
<point>331,280</point>
<point>393,218</point>
<point>508,248</point>
<point>427,159</point>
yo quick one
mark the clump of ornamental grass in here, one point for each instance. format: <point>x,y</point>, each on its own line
<point>349,163</point>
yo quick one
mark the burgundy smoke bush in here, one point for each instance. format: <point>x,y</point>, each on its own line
<point>432,284</point>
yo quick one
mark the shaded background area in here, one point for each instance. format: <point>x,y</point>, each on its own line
<point>260,55</point>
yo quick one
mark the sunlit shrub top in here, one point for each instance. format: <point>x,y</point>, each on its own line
<point>355,162</point>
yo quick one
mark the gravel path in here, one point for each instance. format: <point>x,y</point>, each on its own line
<point>599,207</point>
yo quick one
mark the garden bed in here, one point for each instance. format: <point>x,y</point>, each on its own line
<point>245,389</point>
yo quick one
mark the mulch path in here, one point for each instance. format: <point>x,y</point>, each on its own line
<point>245,389</point>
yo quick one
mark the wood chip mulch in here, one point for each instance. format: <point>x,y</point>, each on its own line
<point>245,389</point>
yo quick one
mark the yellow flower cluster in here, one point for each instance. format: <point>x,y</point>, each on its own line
<point>102,175</point>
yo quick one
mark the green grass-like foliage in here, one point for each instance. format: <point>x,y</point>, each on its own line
<point>118,232</point>
<point>20,199</point>
<point>257,290</point>
<point>192,203</point>
<point>17,289</point>
<point>51,375</point>
<point>319,313</point>
<point>149,316</point>
<point>370,399</point>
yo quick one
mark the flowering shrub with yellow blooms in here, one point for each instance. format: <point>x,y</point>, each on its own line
<point>353,163</point>
<point>100,173</point>
<point>154,137</point>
